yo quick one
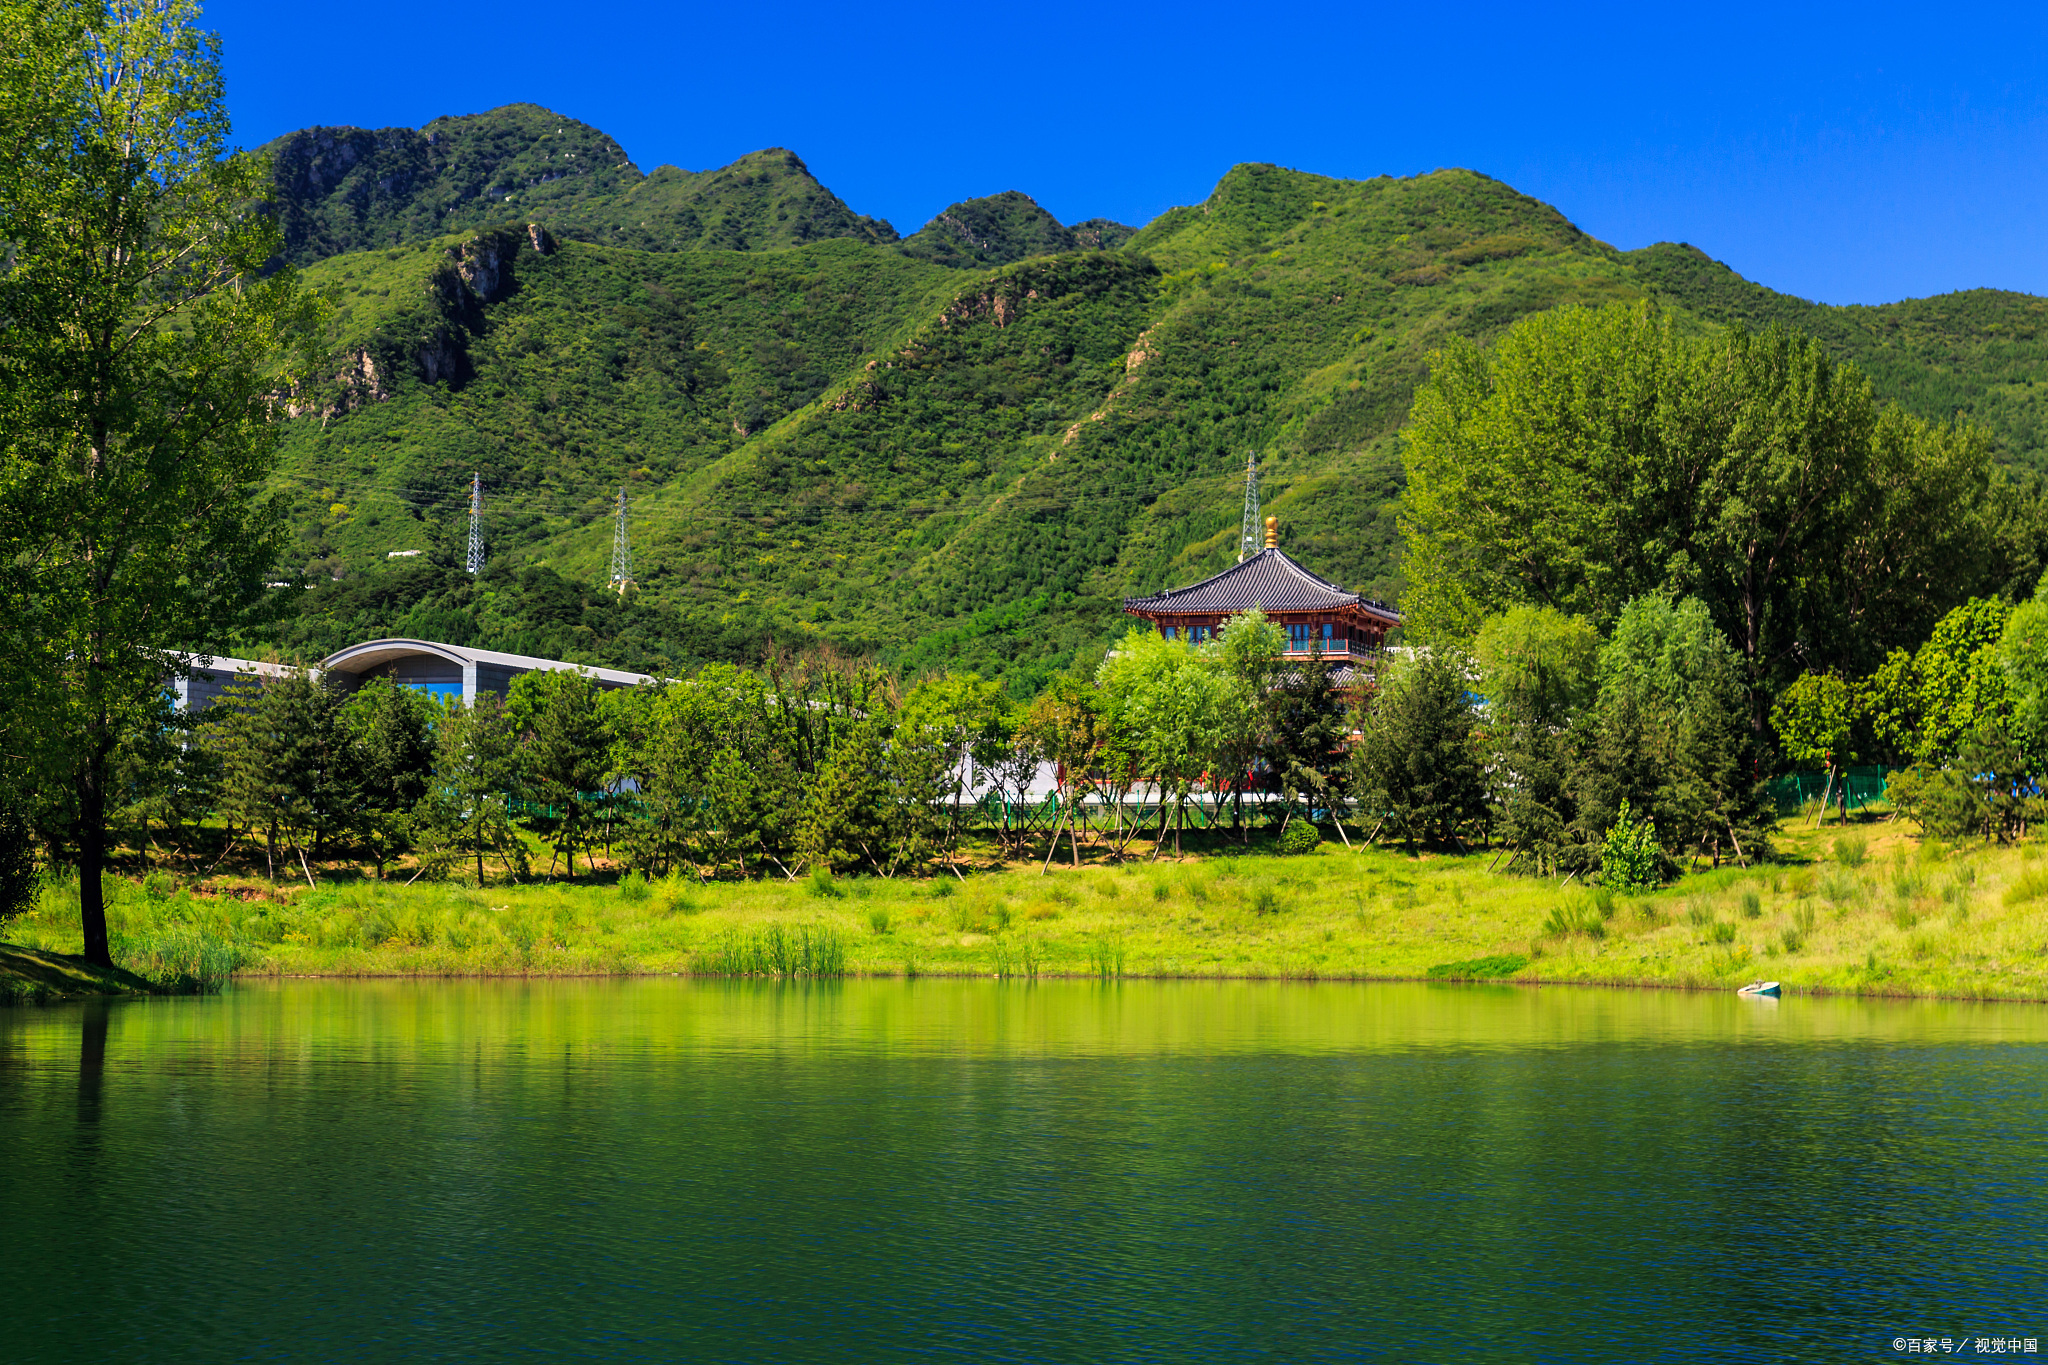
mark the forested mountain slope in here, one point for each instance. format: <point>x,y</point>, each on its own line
<point>1979,352</point>
<point>1004,228</point>
<point>961,448</point>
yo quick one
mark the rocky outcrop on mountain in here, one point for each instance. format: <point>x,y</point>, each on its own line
<point>337,190</point>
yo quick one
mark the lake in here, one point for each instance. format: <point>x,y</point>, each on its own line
<point>665,1169</point>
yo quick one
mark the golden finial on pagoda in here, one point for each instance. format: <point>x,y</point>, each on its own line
<point>1272,533</point>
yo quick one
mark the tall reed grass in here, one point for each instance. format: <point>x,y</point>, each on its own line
<point>805,950</point>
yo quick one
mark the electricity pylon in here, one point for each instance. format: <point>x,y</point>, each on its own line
<point>1251,537</point>
<point>476,523</point>
<point>622,549</point>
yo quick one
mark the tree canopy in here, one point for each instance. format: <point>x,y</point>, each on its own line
<point>1595,455</point>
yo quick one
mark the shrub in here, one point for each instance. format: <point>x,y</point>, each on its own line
<point>943,887</point>
<point>1721,931</point>
<point>2032,885</point>
<point>21,882</point>
<point>821,884</point>
<point>1504,964</point>
<point>1575,917</point>
<point>633,888</point>
<point>1300,837</point>
<point>1850,850</point>
<point>1265,901</point>
<point>1752,905</point>
<point>1630,856</point>
<point>878,920</point>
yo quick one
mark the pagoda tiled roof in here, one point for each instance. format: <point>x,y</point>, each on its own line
<point>1270,581</point>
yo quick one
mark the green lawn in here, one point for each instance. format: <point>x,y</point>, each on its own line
<point>1907,918</point>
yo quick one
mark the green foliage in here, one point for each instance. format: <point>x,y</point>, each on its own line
<point>467,810</point>
<point>1480,968</point>
<point>1300,836</point>
<point>998,230</point>
<point>1630,856</point>
<point>804,950</point>
<point>391,735</point>
<point>564,740</point>
<point>1576,916</point>
<point>1597,455</point>
<point>1815,718</point>
<point>21,876</point>
<point>1538,666</point>
<point>1416,762</point>
<point>1670,736</point>
<point>1975,352</point>
<point>145,346</point>
<point>289,770</point>
<point>1174,705</point>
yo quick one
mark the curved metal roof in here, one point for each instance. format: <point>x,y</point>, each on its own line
<point>1270,581</point>
<point>368,655</point>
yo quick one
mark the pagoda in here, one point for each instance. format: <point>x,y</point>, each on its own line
<point>1347,628</point>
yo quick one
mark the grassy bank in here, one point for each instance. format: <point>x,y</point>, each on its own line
<point>38,974</point>
<point>1874,910</point>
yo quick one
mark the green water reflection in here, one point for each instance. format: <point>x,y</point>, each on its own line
<point>673,1169</point>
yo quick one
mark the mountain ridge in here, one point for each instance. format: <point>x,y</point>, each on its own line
<point>962,449</point>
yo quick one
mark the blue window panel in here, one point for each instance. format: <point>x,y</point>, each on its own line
<point>444,691</point>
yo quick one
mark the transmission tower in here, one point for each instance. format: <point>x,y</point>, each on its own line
<point>622,549</point>
<point>1251,538</point>
<point>476,524</point>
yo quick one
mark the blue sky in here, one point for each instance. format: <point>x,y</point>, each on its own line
<point>1846,154</point>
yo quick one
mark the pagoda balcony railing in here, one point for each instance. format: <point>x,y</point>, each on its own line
<point>1335,649</point>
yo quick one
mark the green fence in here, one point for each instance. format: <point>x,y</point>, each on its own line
<point>1864,785</point>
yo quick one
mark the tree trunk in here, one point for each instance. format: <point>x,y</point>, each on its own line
<point>92,856</point>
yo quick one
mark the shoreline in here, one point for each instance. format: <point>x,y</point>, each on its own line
<point>1790,990</point>
<point>1869,912</point>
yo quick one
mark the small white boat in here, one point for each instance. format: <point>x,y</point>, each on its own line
<point>1769,988</point>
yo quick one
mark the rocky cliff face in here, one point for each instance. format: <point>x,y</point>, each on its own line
<point>338,190</point>
<point>430,335</point>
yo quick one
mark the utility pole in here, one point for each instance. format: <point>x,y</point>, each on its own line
<point>622,549</point>
<point>1251,537</point>
<point>476,524</point>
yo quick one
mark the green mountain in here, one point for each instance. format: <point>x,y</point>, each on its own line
<point>1978,351</point>
<point>961,449</point>
<point>341,190</point>
<point>350,189</point>
<point>763,201</point>
<point>1004,228</point>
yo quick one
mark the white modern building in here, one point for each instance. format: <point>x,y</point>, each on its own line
<point>448,671</point>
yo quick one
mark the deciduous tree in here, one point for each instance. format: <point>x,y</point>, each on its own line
<point>145,349</point>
